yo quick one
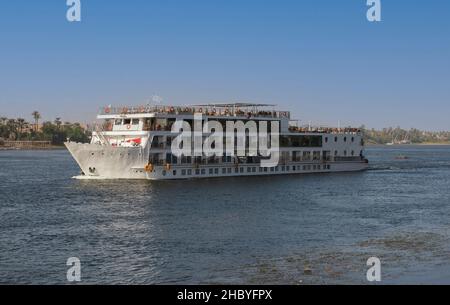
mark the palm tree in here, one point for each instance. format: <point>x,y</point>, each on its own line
<point>12,128</point>
<point>36,115</point>
<point>20,125</point>
<point>58,122</point>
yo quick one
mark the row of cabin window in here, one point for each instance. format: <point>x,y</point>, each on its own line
<point>336,139</point>
<point>215,171</point>
<point>227,159</point>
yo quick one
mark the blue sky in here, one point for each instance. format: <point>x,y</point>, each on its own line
<point>321,59</point>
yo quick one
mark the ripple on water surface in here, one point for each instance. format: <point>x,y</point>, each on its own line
<point>269,230</point>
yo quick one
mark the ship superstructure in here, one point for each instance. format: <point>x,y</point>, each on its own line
<point>136,143</point>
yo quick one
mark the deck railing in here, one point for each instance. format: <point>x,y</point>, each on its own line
<point>209,111</point>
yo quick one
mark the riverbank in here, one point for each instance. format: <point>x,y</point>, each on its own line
<point>52,147</point>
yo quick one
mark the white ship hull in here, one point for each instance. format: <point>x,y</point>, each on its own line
<point>106,162</point>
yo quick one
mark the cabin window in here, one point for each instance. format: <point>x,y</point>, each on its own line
<point>301,141</point>
<point>174,172</point>
<point>135,122</point>
<point>353,139</point>
<point>210,171</point>
<point>118,122</point>
<point>353,152</point>
<point>306,156</point>
<point>224,170</point>
<point>335,139</point>
<point>203,171</point>
<point>345,139</point>
<point>326,139</point>
<point>229,170</point>
<point>183,172</point>
<point>189,172</point>
<point>316,155</point>
<point>127,121</point>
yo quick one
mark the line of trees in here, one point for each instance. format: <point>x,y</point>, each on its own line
<point>398,135</point>
<point>57,131</point>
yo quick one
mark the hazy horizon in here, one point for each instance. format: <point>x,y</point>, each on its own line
<point>321,60</point>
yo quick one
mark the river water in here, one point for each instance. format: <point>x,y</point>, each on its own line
<point>304,229</point>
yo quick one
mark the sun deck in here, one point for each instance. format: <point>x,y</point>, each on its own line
<point>245,110</point>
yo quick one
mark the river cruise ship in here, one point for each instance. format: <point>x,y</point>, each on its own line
<point>137,143</point>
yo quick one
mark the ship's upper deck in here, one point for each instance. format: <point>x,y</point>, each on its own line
<point>239,110</point>
<point>219,111</point>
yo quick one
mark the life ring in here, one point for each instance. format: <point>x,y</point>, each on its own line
<point>148,168</point>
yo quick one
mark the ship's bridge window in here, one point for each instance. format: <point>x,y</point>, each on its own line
<point>135,122</point>
<point>118,122</point>
<point>126,121</point>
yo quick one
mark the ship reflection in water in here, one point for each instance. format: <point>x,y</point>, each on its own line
<point>306,229</point>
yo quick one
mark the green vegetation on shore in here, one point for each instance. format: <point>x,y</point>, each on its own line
<point>402,136</point>
<point>56,132</point>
